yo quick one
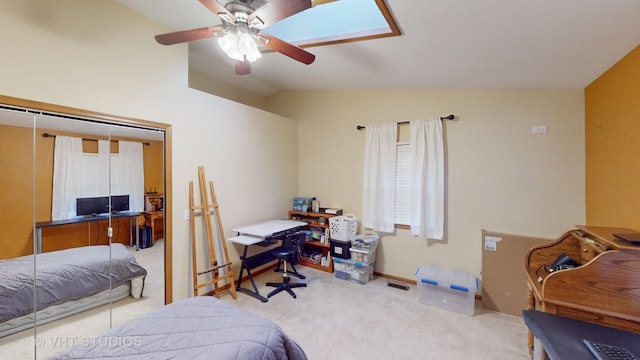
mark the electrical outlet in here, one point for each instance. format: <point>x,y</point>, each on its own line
<point>186,215</point>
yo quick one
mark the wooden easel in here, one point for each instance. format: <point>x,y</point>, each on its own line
<point>205,210</point>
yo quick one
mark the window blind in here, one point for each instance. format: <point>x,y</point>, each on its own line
<point>403,186</point>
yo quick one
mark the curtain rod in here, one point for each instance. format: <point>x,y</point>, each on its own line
<point>448,117</point>
<point>52,135</point>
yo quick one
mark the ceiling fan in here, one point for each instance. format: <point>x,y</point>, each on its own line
<point>241,29</point>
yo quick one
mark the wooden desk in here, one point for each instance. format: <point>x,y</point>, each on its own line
<point>88,220</point>
<point>150,218</point>
<point>604,289</point>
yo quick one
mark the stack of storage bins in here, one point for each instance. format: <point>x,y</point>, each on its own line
<point>359,267</point>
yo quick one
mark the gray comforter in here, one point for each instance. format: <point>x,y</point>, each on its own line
<point>62,275</point>
<point>195,328</point>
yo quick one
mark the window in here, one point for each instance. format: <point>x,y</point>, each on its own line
<point>403,186</point>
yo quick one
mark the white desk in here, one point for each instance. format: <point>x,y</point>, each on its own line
<point>264,234</point>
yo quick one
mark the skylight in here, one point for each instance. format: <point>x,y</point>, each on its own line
<point>336,21</point>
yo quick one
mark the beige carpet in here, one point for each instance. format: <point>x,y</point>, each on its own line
<point>339,319</point>
<point>331,319</point>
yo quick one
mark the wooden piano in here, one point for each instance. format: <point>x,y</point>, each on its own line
<point>604,288</point>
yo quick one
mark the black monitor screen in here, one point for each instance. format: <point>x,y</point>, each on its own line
<point>92,206</point>
<point>120,203</point>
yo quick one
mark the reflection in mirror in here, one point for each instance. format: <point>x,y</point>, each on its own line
<point>114,237</point>
<point>144,186</point>
<point>72,247</point>
<point>16,227</point>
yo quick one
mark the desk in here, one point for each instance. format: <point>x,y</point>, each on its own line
<point>43,224</point>
<point>561,337</point>
<point>263,234</point>
<point>150,218</point>
<point>602,290</point>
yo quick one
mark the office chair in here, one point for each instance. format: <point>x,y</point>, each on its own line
<point>288,252</point>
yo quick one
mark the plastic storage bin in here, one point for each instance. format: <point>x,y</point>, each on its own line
<point>362,255</point>
<point>447,289</point>
<point>356,271</point>
<point>365,241</point>
<point>340,249</point>
<point>302,203</point>
<point>343,227</point>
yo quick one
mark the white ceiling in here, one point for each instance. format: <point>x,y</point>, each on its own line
<point>444,44</point>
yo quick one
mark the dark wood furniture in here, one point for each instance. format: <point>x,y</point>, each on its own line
<point>321,221</point>
<point>88,220</point>
<point>157,227</point>
<point>604,289</point>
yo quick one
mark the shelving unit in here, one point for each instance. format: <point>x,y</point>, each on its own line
<point>315,220</point>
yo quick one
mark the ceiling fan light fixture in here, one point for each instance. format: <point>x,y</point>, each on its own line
<point>229,44</point>
<point>239,46</point>
<point>248,47</point>
<point>239,35</point>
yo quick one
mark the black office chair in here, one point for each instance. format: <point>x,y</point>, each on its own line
<point>289,252</point>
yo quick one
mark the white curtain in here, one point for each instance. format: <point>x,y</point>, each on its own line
<point>102,183</point>
<point>77,175</point>
<point>67,162</point>
<point>379,177</point>
<point>130,174</point>
<point>427,178</point>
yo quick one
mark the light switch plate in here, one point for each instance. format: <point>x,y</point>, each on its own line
<point>539,129</point>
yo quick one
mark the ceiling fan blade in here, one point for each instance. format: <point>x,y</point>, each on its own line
<point>218,9</point>
<point>276,10</point>
<point>286,48</point>
<point>243,67</point>
<point>188,35</point>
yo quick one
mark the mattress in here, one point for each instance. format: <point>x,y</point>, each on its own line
<point>68,308</point>
<point>201,327</point>
<point>63,275</point>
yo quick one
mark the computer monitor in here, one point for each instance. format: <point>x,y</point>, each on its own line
<point>119,203</point>
<point>92,206</point>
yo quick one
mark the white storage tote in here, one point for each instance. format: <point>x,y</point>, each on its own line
<point>447,289</point>
<point>343,227</point>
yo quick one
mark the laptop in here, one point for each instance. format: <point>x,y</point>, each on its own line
<point>608,352</point>
<point>630,238</point>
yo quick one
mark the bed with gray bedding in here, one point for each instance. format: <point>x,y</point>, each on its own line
<point>201,327</point>
<point>60,277</point>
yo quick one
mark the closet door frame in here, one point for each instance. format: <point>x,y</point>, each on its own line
<point>37,106</point>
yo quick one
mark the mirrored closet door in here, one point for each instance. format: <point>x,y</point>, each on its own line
<point>16,226</point>
<point>89,204</point>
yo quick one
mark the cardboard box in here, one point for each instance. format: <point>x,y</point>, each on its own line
<point>504,284</point>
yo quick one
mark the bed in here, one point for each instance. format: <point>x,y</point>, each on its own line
<point>200,327</point>
<point>67,282</point>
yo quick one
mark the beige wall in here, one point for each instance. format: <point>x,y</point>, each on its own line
<point>611,132</point>
<point>100,56</point>
<point>500,176</point>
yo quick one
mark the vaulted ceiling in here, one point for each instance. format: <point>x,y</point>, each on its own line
<point>443,44</point>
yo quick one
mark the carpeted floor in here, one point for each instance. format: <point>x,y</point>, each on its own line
<point>330,319</point>
<point>338,319</point>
